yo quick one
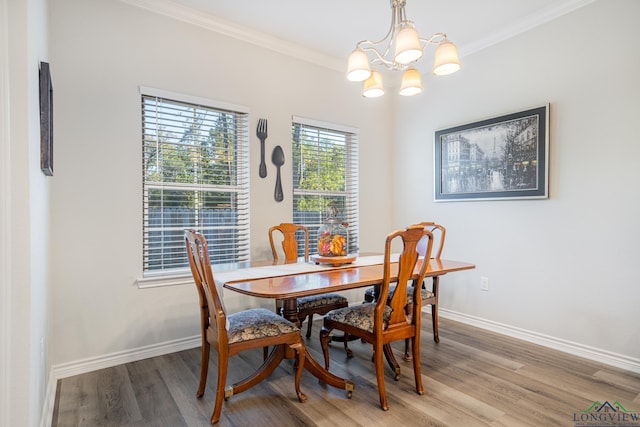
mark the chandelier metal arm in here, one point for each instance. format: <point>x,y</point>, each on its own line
<point>398,20</point>
<point>367,45</point>
<point>379,58</point>
<point>436,38</point>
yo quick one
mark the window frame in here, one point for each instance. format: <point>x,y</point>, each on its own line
<point>241,186</point>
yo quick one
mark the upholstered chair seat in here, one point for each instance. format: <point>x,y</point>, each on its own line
<point>315,301</point>
<point>257,323</point>
<point>359,316</point>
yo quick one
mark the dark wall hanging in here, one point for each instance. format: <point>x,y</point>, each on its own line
<point>504,157</point>
<point>277,157</point>
<point>46,120</point>
<point>261,133</point>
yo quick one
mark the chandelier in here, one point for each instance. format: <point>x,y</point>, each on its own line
<point>408,48</point>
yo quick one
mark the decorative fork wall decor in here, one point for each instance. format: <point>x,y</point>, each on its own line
<point>261,133</point>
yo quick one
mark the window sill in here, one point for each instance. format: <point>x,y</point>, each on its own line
<point>161,281</point>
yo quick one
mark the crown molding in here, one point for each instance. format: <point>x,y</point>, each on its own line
<point>250,35</point>
<point>530,22</point>
<point>246,34</point>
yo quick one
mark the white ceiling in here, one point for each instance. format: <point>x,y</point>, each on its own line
<point>331,28</point>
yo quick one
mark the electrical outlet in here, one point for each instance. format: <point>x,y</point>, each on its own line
<point>484,283</point>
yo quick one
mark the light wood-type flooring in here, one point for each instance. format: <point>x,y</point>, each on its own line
<point>472,378</point>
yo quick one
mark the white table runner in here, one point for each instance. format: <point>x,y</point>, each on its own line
<point>279,270</point>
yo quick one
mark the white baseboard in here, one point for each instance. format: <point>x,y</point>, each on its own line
<point>114,359</point>
<point>576,349</point>
<point>91,364</point>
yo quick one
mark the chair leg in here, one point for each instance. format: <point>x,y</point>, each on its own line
<point>407,345</point>
<point>435,288</point>
<point>379,364</point>
<point>407,349</point>
<point>391,359</point>
<point>310,319</point>
<point>436,336</point>
<point>223,363</point>
<point>204,368</point>
<point>347,350</point>
<point>299,365</point>
<point>324,342</point>
<point>415,344</point>
<point>434,317</point>
<point>345,338</point>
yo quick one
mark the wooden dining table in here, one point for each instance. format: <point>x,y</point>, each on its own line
<point>291,281</point>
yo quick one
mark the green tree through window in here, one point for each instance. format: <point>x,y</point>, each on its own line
<point>194,176</point>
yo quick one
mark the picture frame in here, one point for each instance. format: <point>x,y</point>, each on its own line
<point>504,157</point>
<point>46,120</point>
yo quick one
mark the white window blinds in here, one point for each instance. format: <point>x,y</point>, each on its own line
<point>195,175</point>
<point>325,176</point>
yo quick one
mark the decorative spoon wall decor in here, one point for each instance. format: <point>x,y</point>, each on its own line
<point>277,157</point>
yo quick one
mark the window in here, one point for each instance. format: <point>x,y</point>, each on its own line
<point>195,175</point>
<point>325,176</point>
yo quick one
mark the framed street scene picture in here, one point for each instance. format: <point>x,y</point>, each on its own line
<point>504,157</point>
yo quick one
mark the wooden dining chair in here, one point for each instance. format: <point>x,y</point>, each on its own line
<point>237,332</point>
<point>307,306</point>
<point>386,320</point>
<point>428,296</point>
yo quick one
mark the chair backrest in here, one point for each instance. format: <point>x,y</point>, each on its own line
<point>211,306</point>
<point>409,257</point>
<point>435,230</point>
<point>289,241</point>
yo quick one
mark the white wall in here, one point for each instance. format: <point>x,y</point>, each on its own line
<point>27,221</point>
<point>101,52</point>
<point>547,275</point>
<point>565,267</point>
<point>5,215</point>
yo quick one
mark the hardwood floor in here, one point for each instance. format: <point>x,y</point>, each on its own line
<point>472,378</point>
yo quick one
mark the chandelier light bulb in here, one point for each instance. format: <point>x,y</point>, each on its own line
<point>411,84</point>
<point>446,59</point>
<point>408,47</point>
<point>358,66</point>
<point>373,86</point>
